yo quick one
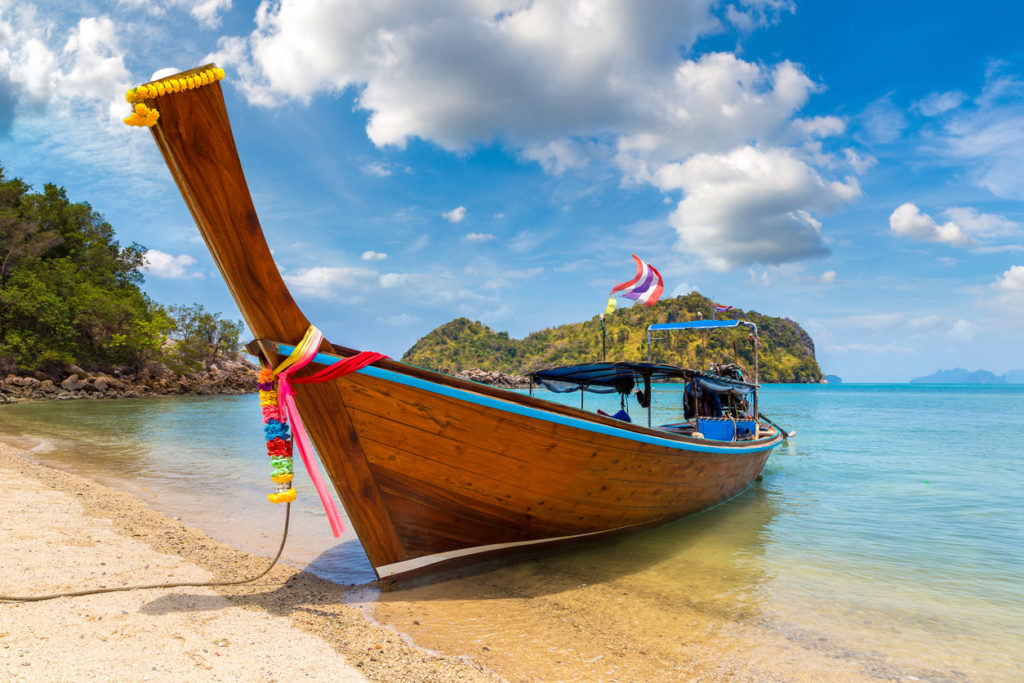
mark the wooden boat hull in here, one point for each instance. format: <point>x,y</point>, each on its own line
<point>459,473</point>
<point>436,472</point>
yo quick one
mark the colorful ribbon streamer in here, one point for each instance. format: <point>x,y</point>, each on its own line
<point>304,352</point>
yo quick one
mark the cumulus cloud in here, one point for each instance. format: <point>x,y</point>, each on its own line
<point>1012,280</point>
<point>456,215</point>
<point>373,256</point>
<point>965,228</point>
<point>828,277</point>
<point>751,206</point>
<point>166,265</point>
<point>567,83</point>
<point>908,221</point>
<point>36,72</point>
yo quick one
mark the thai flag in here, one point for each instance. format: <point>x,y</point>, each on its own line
<point>719,308</point>
<point>646,287</point>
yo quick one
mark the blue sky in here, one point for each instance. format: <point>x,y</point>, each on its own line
<point>855,168</point>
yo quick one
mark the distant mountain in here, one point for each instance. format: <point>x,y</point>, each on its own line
<point>961,376</point>
<point>787,351</point>
<point>1014,377</point>
<point>833,379</point>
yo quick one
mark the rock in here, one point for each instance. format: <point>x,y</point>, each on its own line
<point>47,387</point>
<point>494,378</point>
<point>72,383</point>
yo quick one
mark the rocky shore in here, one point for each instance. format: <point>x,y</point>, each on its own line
<point>229,375</point>
<point>496,379</point>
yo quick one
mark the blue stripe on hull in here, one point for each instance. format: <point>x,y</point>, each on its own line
<point>530,412</point>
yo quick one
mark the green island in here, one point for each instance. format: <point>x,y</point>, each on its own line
<point>786,353</point>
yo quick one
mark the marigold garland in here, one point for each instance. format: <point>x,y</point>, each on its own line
<point>279,440</point>
<point>143,115</point>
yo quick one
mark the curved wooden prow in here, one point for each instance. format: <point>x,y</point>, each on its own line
<point>194,136</point>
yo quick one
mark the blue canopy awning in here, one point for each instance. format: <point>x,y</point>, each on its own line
<point>698,325</point>
<point>605,377</point>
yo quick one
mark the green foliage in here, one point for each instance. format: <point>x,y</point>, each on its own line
<point>69,292</point>
<point>200,337</point>
<point>786,353</point>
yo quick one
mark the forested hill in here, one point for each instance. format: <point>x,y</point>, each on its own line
<point>71,301</point>
<point>787,351</point>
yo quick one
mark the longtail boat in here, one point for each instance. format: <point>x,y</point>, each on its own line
<point>442,476</point>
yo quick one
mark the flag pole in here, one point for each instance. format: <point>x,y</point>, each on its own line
<point>604,336</point>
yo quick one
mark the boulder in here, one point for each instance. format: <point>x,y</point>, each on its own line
<point>73,383</point>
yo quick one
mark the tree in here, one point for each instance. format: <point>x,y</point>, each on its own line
<point>69,292</point>
<point>200,337</point>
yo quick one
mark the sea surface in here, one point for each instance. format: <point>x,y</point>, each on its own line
<point>891,526</point>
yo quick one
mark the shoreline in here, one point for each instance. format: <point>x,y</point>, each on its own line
<point>77,534</point>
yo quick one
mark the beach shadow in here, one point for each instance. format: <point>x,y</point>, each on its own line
<point>184,602</point>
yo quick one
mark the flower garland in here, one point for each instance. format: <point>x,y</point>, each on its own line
<point>142,115</point>
<point>279,441</point>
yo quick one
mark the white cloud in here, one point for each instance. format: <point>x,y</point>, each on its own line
<point>568,83</point>
<point>325,282</point>
<point>860,164</point>
<point>982,224</point>
<point>988,136</point>
<point>478,237</point>
<point>207,12</point>
<point>373,256</point>
<point>828,277</point>
<point>883,121</point>
<point>456,215</point>
<point>965,228</point>
<point>963,332</point>
<point>1012,280</point>
<point>39,71</point>
<point>940,102</point>
<point>908,221</point>
<point>746,15</point>
<point>400,320</point>
<point>751,206</point>
<point>165,265</point>
<point>683,288</point>
<point>377,169</point>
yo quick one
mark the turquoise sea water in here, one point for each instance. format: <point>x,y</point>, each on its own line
<point>892,523</point>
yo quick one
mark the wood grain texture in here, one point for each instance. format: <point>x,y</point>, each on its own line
<point>421,472</point>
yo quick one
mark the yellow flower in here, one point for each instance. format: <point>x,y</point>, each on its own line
<point>160,88</point>
<point>130,95</point>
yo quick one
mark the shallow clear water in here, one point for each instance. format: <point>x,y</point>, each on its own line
<point>891,524</point>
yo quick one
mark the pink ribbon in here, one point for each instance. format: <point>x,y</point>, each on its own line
<point>286,397</point>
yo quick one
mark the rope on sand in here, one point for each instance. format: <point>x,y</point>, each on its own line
<point>96,591</point>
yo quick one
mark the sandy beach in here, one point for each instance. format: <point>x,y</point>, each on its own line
<point>60,532</point>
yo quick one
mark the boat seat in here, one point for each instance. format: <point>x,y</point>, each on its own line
<point>621,415</point>
<point>717,428</point>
